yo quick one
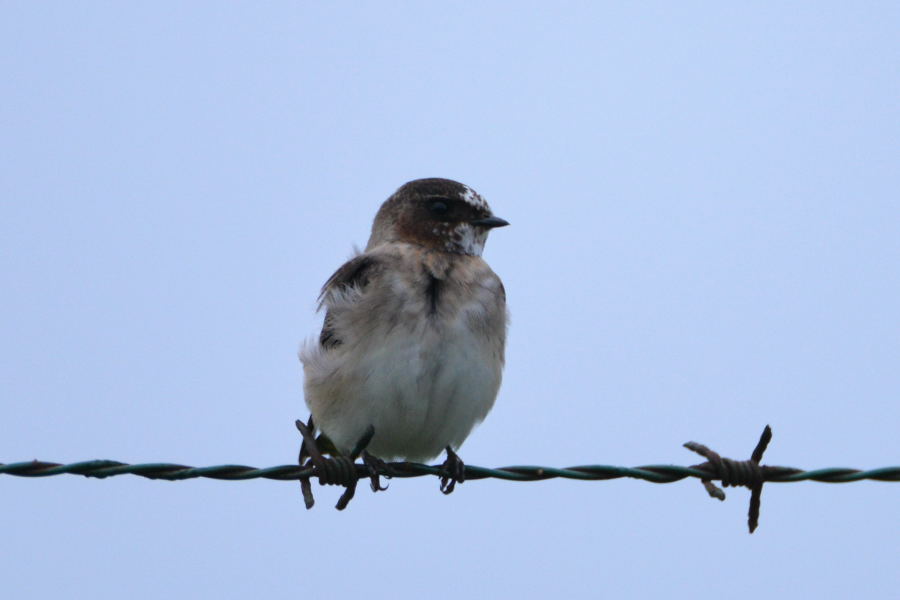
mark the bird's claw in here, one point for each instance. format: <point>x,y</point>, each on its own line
<point>453,471</point>
<point>376,467</point>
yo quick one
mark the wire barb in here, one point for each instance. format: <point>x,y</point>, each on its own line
<point>746,473</point>
<point>337,470</point>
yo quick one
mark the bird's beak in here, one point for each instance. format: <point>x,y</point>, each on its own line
<point>490,222</point>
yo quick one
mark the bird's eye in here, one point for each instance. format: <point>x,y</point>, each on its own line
<point>438,208</point>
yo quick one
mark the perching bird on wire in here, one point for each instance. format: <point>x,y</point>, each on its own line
<point>411,352</point>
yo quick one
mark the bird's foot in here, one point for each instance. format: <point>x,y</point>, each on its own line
<point>376,467</point>
<point>453,471</point>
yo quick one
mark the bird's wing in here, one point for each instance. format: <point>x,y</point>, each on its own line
<point>346,285</point>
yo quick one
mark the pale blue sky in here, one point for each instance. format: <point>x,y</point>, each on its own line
<point>705,239</point>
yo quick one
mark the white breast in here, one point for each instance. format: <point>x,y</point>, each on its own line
<point>422,382</point>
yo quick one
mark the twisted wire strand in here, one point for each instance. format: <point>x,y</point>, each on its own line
<point>652,473</point>
<point>346,472</point>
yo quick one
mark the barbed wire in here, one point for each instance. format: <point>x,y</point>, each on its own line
<point>101,469</point>
<point>729,472</point>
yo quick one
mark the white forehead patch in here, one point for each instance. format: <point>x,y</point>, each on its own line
<point>473,199</point>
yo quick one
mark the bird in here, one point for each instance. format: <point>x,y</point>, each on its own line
<point>411,352</point>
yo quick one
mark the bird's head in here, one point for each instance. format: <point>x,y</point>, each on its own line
<point>439,214</point>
